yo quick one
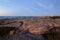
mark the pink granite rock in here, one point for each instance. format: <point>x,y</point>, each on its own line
<point>38,26</point>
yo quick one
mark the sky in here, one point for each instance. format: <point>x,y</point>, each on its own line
<point>29,7</point>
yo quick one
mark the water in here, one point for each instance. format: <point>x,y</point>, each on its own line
<point>10,17</point>
<point>15,17</point>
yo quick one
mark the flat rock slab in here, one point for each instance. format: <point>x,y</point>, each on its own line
<point>33,25</point>
<point>23,36</point>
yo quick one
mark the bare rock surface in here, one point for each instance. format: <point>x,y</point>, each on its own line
<point>57,23</point>
<point>37,25</point>
<point>23,36</point>
<point>34,26</point>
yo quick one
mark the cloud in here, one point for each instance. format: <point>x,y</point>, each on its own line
<point>4,10</point>
<point>46,5</point>
<point>3,14</point>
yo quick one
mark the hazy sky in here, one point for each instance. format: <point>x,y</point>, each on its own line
<point>29,7</point>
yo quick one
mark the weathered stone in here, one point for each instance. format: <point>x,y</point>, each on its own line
<point>33,25</point>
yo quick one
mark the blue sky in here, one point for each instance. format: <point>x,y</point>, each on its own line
<point>29,7</point>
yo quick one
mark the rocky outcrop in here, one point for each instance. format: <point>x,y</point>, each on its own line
<point>35,26</point>
<point>10,28</point>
